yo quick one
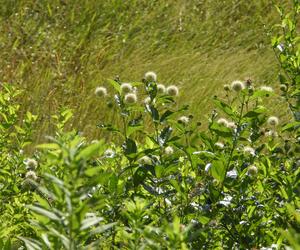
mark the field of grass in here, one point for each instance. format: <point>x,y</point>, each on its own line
<point>58,51</point>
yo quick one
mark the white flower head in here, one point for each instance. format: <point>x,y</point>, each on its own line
<point>161,88</point>
<point>237,86</point>
<point>252,170</point>
<point>150,76</point>
<point>126,88</point>
<point>219,144</point>
<point>169,150</point>
<point>223,122</point>
<point>130,98</point>
<point>231,125</point>
<point>145,160</point>
<point>184,120</point>
<point>172,90</point>
<point>273,121</point>
<point>266,88</point>
<point>31,175</point>
<point>249,150</point>
<point>271,133</point>
<point>147,100</point>
<point>101,91</point>
<point>109,153</point>
<point>31,163</point>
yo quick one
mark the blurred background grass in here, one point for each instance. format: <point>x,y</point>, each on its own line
<point>58,51</point>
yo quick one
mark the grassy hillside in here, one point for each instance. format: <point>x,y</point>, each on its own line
<point>58,51</point>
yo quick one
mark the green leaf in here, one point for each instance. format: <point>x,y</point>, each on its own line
<point>48,146</point>
<point>115,85</point>
<point>218,170</point>
<point>31,244</point>
<point>224,107</point>
<point>89,222</point>
<point>89,151</point>
<point>44,212</point>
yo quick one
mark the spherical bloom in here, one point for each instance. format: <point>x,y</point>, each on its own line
<point>109,153</point>
<point>226,87</point>
<point>126,88</point>
<point>100,91</point>
<point>150,76</point>
<point>169,150</point>
<point>223,122</point>
<point>161,88</point>
<point>266,88</point>
<point>252,170</point>
<point>231,125</point>
<point>147,100</point>
<point>172,90</point>
<point>237,86</point>
<point>145,160</point>
<point>249,150</point>
<point>271,133</point>
<point>184,119</point>
<point>130,98</point>
<point>219,144</point>
<point>31,175</point>
<point>273,121</point>
<point>31,164</point>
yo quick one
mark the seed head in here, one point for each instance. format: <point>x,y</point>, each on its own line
<point>184,120</point>
<point>161,88</point>
<point>237,86</point>
<point>226,87</point>
<point>169,150</point>
<point>31,175</point>
<point>109,153</point>
<point>130,98</point>
<point>223,122</point>
<point>147,100</point>
<point>266,88</point>
<point>172,90</point>
<point>100,91</point>
<point>273,121</point>
<point>150,76</point>
<point>31,164</point>
<point>248,82</point>
<point>126,88</point>
<point>219,144</point>
<point>252,170</point>
<point>249,150</point>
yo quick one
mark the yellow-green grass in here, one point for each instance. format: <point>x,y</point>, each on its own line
<point>59,51</point>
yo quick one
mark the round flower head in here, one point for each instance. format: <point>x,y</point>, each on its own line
<point>130,98</point>
<point>226,87</point>
<point>109,153</point>
<point>150,76</point>
<point>169,150</point>
<point>147,100</point>
<point>273,121</point>
<point>271,133</point>
<point>231,125</point>
<point>145,160</point>
<point>172,90</point>
<point>126,88</point>
<point>184,119</point>
<point>249,150</point>
<point>31,175</point>
<point>219,144</point>
<point>31,164</point>
<point>222,121</point>
<point>252,170</point>
<point>237,86</point>
<point>161,88</point>
<point>100,91</point>
<point>266,88</point>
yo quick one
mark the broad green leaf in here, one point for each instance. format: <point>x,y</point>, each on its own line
<point>89,151</point>
<point>44,212</point>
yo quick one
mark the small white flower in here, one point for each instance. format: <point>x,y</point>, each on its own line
<point>273,121</point>
<point>184,119</point>
<point>271,133</point>
<point>232,174</point>
<point>266,88</point>
<point>219,144</point>
<point>31,163</point>
<point>237,86</point>
<point>130,98</point>
<point>100,91</point>
<point>109,153</point>
<point>31,175</point>
<point>231,125</point>
<point>172,90</point>
<point>222,121</point>
<point>169,150</point>
<point>252,170</point>
<point>150,76</point>
<point>161,88</point>
<point>249,150</point>
<point>147,100</point>
<point>126,88</point>
<point>207,167</point>
<point>145,160</point>
<point>226,201</point>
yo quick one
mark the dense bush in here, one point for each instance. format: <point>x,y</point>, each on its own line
<point>163,181</point>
